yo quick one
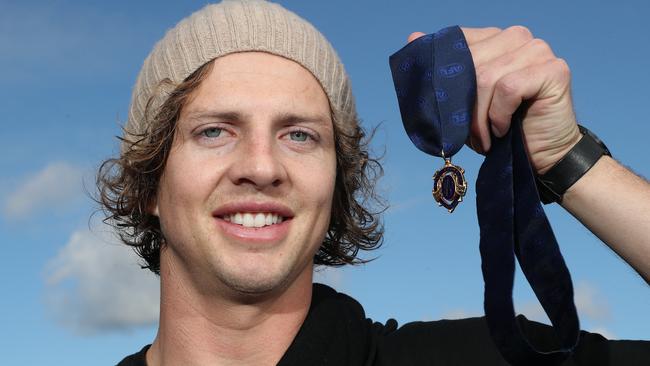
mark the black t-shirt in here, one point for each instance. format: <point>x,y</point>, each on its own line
<point>337,332</point>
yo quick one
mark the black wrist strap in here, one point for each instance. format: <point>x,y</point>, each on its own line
<point>554,183</point>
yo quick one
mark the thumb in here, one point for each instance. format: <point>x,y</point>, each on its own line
<point>413,36</point>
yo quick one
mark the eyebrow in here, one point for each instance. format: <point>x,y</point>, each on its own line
<point>285,117</point>
<point>207,114</point>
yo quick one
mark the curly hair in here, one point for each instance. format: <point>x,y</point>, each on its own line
<point>127,186</point>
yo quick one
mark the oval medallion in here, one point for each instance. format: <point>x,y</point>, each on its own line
<point>449,186</point>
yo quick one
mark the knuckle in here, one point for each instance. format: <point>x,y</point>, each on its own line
<point>493,30</point>
<point>507,86</point>
<point>484,77</point>
<point>495,117</point>
<point>506,59</point>
<point>541,46</point>
<point>521,32</point>
<point>563,68</point>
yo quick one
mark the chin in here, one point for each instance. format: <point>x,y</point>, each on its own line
<point>262,281</point>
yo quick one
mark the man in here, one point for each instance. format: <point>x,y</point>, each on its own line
<point>243,165</point>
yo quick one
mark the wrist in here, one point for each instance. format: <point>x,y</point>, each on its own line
<point>552,158</point>
<point>601,169</point>
<point>580,158</point>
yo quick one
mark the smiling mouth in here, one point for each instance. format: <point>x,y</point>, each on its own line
<point>253,219</point>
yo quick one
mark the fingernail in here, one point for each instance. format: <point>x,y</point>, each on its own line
<point>476,145</point>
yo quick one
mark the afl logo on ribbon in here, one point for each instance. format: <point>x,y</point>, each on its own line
<point>460,117</point>
<point>406,65</point>
<point>460,45</point>
<point>441,33</point>
<point>451,70</point>
<point>428,38</point>
<point>441,95</point>
<point>428,75</point>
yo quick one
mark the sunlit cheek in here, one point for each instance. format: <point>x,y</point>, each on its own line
<point>184,185</point>
<point>196,171</point>
<point>319,181</point>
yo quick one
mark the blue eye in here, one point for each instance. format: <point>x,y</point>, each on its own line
<point>212,132</point>
<point>300,136</point>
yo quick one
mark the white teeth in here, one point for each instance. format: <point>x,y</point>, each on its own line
<point>259,220</point>
<point>249,220</point>
<point>253,219</point>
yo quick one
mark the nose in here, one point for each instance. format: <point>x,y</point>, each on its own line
<point>258,162</point>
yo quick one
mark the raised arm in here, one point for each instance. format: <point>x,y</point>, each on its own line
<point>614,204</point>
<point>514,67</point>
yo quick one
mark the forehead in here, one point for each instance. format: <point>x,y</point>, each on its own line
<point>260,80</point>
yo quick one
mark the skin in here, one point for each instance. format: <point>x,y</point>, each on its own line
<point>227,302</point>
<point>226,299</point>
<point>511,67</point>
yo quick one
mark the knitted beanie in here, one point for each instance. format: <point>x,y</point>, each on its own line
<point>238,26</point>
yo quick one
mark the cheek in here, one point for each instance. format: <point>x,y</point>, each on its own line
<point>319,179</point>
<point>186,183</point>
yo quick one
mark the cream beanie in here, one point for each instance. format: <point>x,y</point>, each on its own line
<point>238,26</point>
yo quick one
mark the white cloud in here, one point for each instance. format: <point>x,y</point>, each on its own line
<point>603,332</point>
<point>458,314</point>
<point>590,303</point>
<point>592,309</point>
<point>95,284</point>
<point>533,311</point>
<point>55,185</point>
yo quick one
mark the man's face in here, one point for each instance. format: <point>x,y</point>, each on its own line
<point>245,197</point>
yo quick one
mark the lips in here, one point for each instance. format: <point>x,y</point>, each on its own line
<point>254,221</point>
<point>249,219</point>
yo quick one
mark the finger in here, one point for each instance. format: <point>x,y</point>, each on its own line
<point>474,144</point>
<point>484,51</point>
<point>479,132</point>
<point>498,44</point>
<point>473,35</point>
<point>534,52</point>
<point>546,83</point>
<point>413,36</point>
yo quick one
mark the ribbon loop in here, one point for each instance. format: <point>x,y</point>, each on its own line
<point>435,83</point>
<point>427,74</point>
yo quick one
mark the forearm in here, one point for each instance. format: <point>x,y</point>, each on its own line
<point>614,204</point>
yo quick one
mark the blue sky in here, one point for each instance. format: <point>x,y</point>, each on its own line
<point>71,296</point>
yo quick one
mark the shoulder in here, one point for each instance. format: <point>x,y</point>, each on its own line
<point>136,359</point>
<point>454,342</point>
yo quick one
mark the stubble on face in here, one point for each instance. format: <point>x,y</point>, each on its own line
<point>257,130</point>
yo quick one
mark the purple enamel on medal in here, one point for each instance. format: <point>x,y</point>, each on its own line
<point>449,186</point>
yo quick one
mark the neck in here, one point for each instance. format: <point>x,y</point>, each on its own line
<point>208,329</point>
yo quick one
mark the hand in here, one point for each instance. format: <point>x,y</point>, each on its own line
<point>512,67</point>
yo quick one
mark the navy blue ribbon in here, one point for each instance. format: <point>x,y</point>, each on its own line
<point>435,82</point>
<point>434,108</point>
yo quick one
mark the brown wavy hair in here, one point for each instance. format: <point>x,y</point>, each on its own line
<point>127,185</point>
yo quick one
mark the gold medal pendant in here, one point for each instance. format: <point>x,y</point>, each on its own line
<point>449,185</point>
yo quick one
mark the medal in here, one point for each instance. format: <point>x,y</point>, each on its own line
<point>435,83</point>
<point>434,80</point>
<point>449,186</point>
